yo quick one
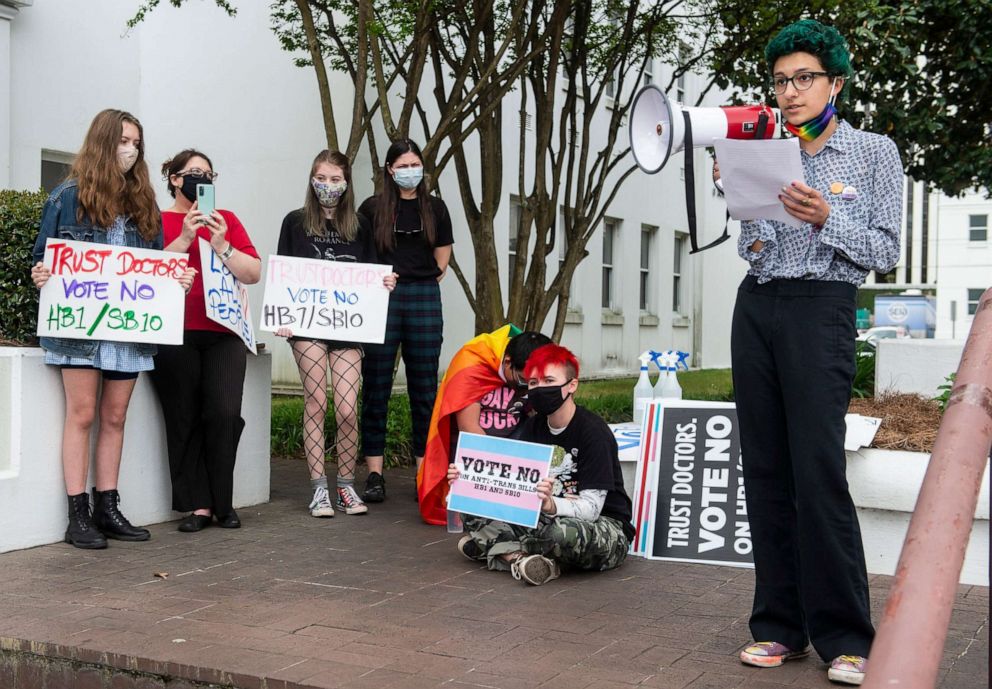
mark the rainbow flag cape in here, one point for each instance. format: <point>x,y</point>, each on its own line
<point>473,372</point>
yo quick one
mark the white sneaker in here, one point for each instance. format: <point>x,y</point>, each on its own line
<point>349,502</point>
<point>321,506</point>
<point>535,569</point>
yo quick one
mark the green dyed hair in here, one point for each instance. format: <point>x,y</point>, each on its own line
<point>810,36</point>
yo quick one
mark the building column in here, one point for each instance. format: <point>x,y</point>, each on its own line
<point>7,14</point>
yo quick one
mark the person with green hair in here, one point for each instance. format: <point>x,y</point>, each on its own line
<point>792,348</point>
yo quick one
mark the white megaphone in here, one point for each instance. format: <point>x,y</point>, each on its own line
<point>659,127</point>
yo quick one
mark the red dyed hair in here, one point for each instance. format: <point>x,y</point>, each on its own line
<point>551,355</point>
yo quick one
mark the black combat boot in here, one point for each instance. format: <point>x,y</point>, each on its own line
<point>81,532</point>
<point>108,518</point>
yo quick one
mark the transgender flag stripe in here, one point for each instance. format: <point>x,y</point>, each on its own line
<point>492,510</point>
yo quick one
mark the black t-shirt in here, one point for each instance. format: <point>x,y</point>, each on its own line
<point>294,241</point>
<point>585,458</point>
<point>412,257</point>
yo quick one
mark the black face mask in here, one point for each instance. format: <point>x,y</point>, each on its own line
<point>188,188</point>
<point>547,399</point>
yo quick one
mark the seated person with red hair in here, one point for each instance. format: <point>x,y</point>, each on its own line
<point>585,512</point>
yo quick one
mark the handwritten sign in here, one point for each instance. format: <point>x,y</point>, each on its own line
<point>104,292</point>
<point>331,300</point>
<point>498,478</point>
<point>225,298</point>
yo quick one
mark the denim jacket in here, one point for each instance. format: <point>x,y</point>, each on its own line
<point>58,219</point>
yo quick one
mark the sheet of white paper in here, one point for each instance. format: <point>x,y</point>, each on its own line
<point>861,431</point>
<point>753,174</point>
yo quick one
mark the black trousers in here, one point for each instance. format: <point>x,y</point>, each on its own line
<point>200,384</point>
<point>792,345</point>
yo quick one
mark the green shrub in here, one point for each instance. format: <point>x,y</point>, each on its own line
<point>20,213</point>
<point>945,391</point>
<point>287,429</point>
<point>864,372</point>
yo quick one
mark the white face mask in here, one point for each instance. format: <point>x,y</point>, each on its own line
<point>408,177</point>
<point>126,157</point>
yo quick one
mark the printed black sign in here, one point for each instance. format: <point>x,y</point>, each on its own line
<point>700,511</point>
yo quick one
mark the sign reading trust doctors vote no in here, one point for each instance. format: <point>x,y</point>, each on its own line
<point>104,292</point>
<point>332,300</point>
<point>224,297</point>
<point>689,501</point>
<point>497,478</point>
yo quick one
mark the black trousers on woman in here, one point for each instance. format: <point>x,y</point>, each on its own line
<point>200,384</point>
<point>792,346</point>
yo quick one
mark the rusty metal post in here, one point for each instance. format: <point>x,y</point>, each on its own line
<point>910,640</point>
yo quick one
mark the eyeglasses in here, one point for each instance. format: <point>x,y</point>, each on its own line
<point>197,172</point>
<point>801,82</point>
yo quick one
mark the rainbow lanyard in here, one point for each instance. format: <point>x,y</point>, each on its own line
<point>811,129</point>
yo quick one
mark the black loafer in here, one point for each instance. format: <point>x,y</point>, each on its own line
<point>195,522</point>
<point>229,521</point>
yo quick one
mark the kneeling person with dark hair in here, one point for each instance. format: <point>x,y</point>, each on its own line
<point>585,512</point>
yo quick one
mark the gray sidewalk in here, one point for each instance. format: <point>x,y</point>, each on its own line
<point>384,601</point>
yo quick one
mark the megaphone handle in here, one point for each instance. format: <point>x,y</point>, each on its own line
<point>690,193</point>
<point>762,128</point>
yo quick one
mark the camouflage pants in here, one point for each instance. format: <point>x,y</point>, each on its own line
<point>573,543</point>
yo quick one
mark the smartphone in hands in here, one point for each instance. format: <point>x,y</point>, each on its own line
<point>205,198</point>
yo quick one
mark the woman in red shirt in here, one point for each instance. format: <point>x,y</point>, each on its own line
<point>200,382</point>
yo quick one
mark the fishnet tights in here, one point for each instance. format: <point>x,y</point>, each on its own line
<point>312,358</point>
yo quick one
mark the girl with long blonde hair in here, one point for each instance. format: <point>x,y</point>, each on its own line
<point>107,199</point>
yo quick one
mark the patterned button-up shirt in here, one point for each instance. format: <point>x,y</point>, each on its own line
<point>861,233</point>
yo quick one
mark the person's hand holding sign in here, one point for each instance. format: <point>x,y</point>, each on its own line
<point>452,473</point>
<point>40,274</point>
<point>284,332</point>
<point>186,279</point>
<point>544,489</point>
<point>389,281</point>
<point>805,203</point>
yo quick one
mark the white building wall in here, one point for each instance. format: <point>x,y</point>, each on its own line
<point>196,77</point>
<point>963,264</point>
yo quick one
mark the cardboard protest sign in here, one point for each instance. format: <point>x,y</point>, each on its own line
<point>498,478</point>
<point>104,292</point>
<point>692,485</point>
<point>332,300</point>
<point>225,298</point>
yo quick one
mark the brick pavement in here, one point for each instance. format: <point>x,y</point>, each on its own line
<point>384,601</point>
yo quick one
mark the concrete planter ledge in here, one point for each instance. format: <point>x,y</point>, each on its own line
<point>32,494</point>
<point>885,485</point>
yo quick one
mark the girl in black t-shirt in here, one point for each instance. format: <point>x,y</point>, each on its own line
<point>327,227</point>
<point>412,231</point>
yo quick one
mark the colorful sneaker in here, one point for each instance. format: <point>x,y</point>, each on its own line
<point>470,549</point>
<point>770,654</point>
<point>349,502</point>
<point>375,487</point>
<point>535,569</point>
<point>847,669</point>
<point>321,505</point>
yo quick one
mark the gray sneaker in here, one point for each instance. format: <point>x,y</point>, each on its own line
<point>535,569</point>
<point>321,506</point>
<point>349,502</point>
